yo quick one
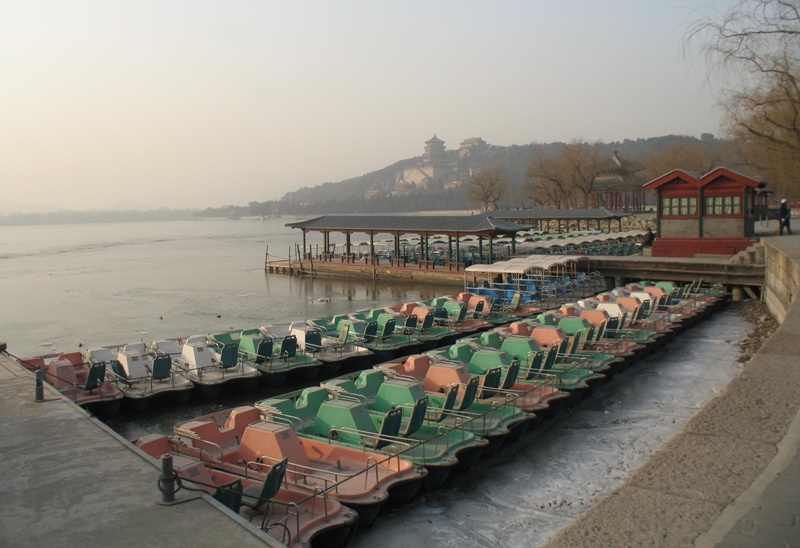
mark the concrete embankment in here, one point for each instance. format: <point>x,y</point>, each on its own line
<point>70,481</point>
<point>732,477</point>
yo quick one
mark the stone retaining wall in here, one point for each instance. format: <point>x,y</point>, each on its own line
<point>782,276</point>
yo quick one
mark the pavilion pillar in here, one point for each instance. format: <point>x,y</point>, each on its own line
<point>304,244</point>
<point>449,247</point>
<point>480,249</point>
<point>491,249</point>
<point>371,245</point>
<point>347,242</point>
<point>427,248</point>
<point>458,251</point>
<point>514,244</point>
<point>396,245</point>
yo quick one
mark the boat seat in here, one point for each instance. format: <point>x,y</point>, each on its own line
<point>308,404</point>
<point>478,311</point>
<point>417,365</point>
<point>222,443</point>
<point>341,342</point>
<point>535,365</point>
<point>313,341</point>
<point>416,418</point>
<point>229,356</point>
<point>96,377</point>
<point>410,325</point>
<point>490,380</point>
<point>345,385</point>
<point>230,495</point>
<point>256,496</point>
<point>491,339</point>
<point>390,428</point>
<point>241,417</point>
<point>460,352</point>
<point>438,414</point>
<point>512,373</point>
<point>468,396</point>
<point>288,347</point>
<point>371,332</point>
<point>427,321</point>
<point>162,367</point>
<point>118,370</point>
<point>369,382</point>
<point>387,331</point>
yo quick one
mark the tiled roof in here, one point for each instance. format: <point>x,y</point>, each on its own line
<point>554,214</point>
<point>434,224</point>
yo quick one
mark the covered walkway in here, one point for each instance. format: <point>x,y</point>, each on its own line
<point>452,227</point>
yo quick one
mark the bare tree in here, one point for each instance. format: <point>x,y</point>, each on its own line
<point>487,187</point>
<point>566,179</point>
<point>753,51</point>
<point>699,157</point>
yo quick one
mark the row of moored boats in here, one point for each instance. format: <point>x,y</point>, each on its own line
<point>453,379</point>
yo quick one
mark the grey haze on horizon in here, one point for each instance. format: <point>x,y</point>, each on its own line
<point>202,104</point>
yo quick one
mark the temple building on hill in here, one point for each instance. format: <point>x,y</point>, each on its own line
<point>618,187</point>
<point>434,166</point>
<point>471,146</point>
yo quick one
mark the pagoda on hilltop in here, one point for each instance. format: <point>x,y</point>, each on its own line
<point>434,166</point>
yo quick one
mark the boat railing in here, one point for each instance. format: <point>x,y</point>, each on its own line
<point>69,388</point>
<point>400,376</point>
<point>472,416</point>
<point>292,510</point>
<point>509,395</point>
<point>343,394</point>
<point>401,445</point>
<point>192,435</point>
<point>323,475</point>
<point>276,415</point>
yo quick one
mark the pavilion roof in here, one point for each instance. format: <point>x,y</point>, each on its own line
<point>433,224</point>
<point>555,214</point>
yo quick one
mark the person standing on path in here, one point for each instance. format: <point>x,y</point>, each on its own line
<point>784,218</point>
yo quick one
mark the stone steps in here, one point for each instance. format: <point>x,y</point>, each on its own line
<point>754,255</point>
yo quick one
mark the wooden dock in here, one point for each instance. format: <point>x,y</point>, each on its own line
<point>712,269</point>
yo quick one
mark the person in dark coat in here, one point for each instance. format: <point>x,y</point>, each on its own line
<point>649,238</point>
<point>784,217</point>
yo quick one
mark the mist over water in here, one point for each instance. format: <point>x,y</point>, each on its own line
<point>104,284</point>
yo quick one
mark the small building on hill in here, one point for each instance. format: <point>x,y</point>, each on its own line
<point>471,146</point>
<point>710,214</point>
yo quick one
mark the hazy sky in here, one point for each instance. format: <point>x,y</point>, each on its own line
<point>199,103</point>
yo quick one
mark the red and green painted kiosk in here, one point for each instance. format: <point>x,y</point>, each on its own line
<point>713,214</point>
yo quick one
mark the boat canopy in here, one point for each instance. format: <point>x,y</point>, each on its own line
<point>578,241</point>
<point>525,265</point>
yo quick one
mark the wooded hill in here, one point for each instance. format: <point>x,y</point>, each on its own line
<point>348,196</point>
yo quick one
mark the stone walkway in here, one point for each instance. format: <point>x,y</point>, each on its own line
<point>68,480</point>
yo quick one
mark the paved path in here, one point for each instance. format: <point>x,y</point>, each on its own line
<point>70,481</point>
<point>732,477</point>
